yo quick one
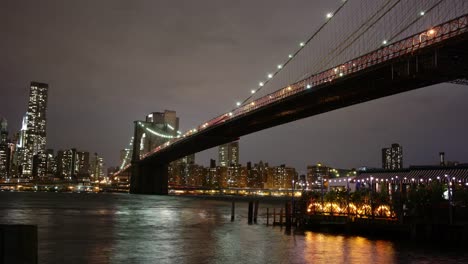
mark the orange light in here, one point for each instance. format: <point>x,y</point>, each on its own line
<point>431,32</point>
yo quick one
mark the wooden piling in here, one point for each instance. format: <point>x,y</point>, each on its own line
<point>233,209</point>
<point>250,216</point>
<point>268,216</point>
<point>255,212</point>
<point>274,216</point>
<point>281,217</point>
<point>287,208</point>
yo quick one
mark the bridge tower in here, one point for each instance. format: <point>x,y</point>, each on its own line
<point>151,177</point>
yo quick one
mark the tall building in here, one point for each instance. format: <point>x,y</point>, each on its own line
<point>4,149</point>
<point>228,154</point>
<point>392,158</point>
<point>36,126</point>
<point>97,167</point>
<point>281,177</point>
<point>3,130</point>
<point>318,175</point>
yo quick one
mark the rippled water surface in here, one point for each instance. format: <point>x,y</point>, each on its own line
<point>122,228</point>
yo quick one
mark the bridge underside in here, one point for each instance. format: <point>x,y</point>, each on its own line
<point>435,64</point>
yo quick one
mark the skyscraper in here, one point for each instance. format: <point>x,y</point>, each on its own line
<point>35,136</point>
<point>4,150</point>
<point>392,158</point>
<point>228,154</point>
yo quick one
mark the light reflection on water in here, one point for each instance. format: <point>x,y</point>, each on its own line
<point>121,228</point>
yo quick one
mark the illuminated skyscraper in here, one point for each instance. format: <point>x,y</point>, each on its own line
<point>392,158</point>
<point>97,167</point>
<point>4,150</point>
<point>228,154</point>
<point>35,136</point>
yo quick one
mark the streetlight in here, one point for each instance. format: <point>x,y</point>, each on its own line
<point>449,192</point>
<point>292,201</point>
<point>347,194</point>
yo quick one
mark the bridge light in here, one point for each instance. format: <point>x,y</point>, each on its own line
<point>308,86</point>
<point>260,84</point>
<point>252,91</point>
<point>238,103</point>
<point>252,103</point>
<point>384,42</point>
<point>431,32</point>
<point>290,56</point>
<point>302,44</point>
<point>341,74</point>
<point>270,75</point>
<point>329,15</point>
<point>289,88</point>
<point>230,113</point>
<point>279,66</point>
<point>422,13</point>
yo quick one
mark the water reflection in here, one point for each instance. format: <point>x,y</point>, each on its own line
<point>118,228</point>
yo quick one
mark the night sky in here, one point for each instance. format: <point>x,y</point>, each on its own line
<point>110,62</point>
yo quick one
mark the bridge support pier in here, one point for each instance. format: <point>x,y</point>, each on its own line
<point>149,178</point>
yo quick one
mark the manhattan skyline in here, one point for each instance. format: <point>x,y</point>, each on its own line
<point>108,70</point>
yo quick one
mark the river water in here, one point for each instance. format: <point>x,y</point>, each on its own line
<point>123,228</point>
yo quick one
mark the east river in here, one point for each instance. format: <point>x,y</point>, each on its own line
<point>123,228</point>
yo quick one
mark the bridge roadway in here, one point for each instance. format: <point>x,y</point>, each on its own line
<point>432,63</point>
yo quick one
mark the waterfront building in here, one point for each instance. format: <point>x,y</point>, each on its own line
<point>228,154</point>
<point>97,168</point>
<point>71,164</point>
<point>256,175</point>
<point>234,176</point>
<point>392,158</point>
<point>83,165</point>
<point>35,136</point>
<point>66,160</point>
<point>318,175</point>
<point>212,176</point>
<point>281,177</point>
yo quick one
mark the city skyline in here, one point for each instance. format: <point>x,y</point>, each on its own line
<point>82,103</point>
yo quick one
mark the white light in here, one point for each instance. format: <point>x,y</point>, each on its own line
<point>252,91</point>
<point>270,75</point>
<point>422,13</point>
<point>384,42</point>
<point>260,84</point>
<point>302,44</point>
<point>279,66</point>
<point>230,113</point>
<point>308,86</point>
<point>329,15</point>
<point>290,56</point>
<point>341,74</point>
<point>238,103</point>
